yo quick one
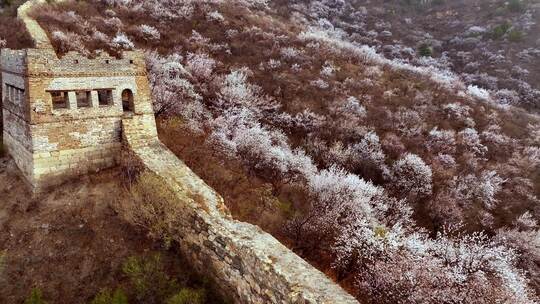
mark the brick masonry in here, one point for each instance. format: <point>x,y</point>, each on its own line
<point>75,139</point>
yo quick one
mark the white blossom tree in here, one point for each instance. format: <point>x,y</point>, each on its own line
<point>200,65</point>
<point>469,139</point>
<point>122,41</point>
<point>411,176</point>
<point>149,32</point>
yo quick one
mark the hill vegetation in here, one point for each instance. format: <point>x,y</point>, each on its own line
<point>393,147</point>
<point>493,44</point>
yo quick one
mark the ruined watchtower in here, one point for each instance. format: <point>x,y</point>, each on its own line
<point>67,116</point>
<point>63,116</point>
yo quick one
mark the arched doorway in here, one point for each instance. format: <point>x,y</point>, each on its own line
<point>127,101</point>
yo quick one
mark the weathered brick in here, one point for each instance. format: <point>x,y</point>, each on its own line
<point>62,140</point>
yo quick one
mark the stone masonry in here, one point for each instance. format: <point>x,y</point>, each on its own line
<point>249,265</point>
<point>64,117</point>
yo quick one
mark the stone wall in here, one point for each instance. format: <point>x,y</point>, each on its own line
<point>13,61</point>
<point>18,129</point>
<point>20,107</point>
<point>16,133</point>
<point>61,151</point>
<point>12,68</point>
<point>50,169</point>
<point>249,265</point>
<point>22,157</point>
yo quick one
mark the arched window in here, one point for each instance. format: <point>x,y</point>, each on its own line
<point>127,100</point>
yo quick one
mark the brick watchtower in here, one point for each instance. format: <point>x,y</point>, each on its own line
<point>63,116</point>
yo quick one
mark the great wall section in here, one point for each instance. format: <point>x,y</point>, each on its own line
<point>67,116</point>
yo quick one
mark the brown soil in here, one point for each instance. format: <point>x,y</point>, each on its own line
<point>69,242</point>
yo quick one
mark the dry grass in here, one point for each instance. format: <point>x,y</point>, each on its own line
<point>152,205</point>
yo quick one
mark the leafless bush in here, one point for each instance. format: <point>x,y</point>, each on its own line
<point>153,206</point>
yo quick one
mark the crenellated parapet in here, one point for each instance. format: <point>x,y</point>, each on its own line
<point>44,63</point>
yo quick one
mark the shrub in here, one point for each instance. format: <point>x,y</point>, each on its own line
<point>6,3</point>
<point>200,65</point>
<point>412,176</point>
<point>515,35</point>
<point>154,206</point>
<point>516,6</point>
<point>425,50</point>
<point>215,16</point>
<point>69,41</point>
<point>35,297</point>
<point>477,92</point>
<point>148,278</point>
<point>131,168</point>
<point>121,41</point>
<point>469,140</point>
<point>188,296</point>
<point>105,297</point>
<point>500,30</point>
<point>151,280</point>
<point>3,255</point>
<point>421,4</point>
<point>149,33</point>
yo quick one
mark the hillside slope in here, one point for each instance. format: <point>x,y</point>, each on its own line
<point>72,244</point>
<point>490,43</point>
<point>367,166</point>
